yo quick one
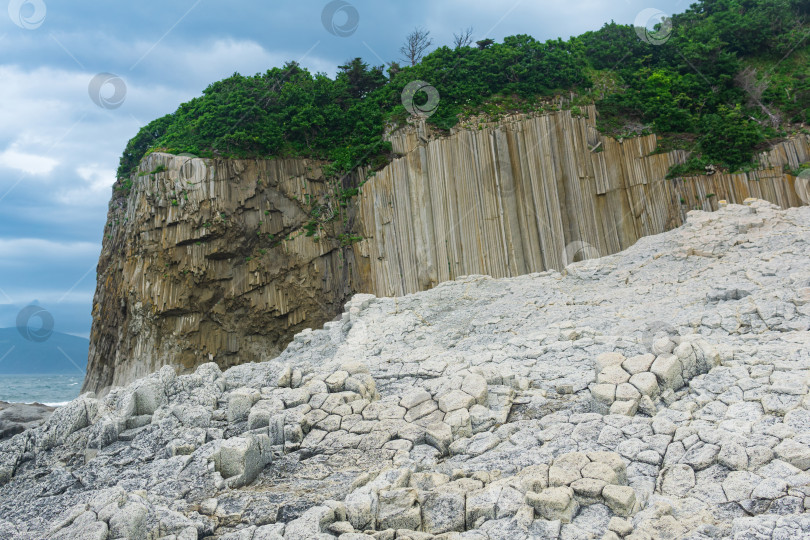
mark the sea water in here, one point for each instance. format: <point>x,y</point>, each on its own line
<point>53,390</point>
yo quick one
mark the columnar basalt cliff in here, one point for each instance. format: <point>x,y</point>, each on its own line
<point>527,195</point>
<point>203,260</point>
<point>226,260</point>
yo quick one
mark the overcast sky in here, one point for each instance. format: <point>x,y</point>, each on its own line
<point>59,147</point>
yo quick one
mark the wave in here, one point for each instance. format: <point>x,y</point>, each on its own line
<point>55,404</point>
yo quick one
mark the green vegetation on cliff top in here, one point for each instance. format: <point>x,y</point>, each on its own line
<point>729,76</point>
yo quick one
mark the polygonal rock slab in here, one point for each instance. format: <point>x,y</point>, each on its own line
<point>398,509</point>
<point>240,401</point>
<point>335,382</point>
<point>481,504</point>
<point>555,503</point>
<point>421,410</point>
<point>678,480</point>
<point>414,398</point>
<point>361,508</point>
<point>625,407</point>
<point>566,467</point>
<point>606,393</point>
<point>588,488</point>
<point>738,485</point>
<point>560,476</point>
<point>667,368</point>
<point>627,391</point>
<point>701,456</point>
<point>129,521</point>
<point>459,422</point>
<point>608,359</point>
<point>600,471</point>
<point>239,460</point>
<point>795,453</point>
<point>613,460</point>
<point>638,364</point>
<point>439,435</point>
<point>443,509</point>
<point>733,456</point>
<point>534,478</point>
<point>476,386</point>
<point>646,383</point>
<point>620,499</point>
<point>455,399</point>
<point>613,375</point>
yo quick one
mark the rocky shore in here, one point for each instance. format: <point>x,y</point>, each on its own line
<point>17,417</point>
<point>661,392</point>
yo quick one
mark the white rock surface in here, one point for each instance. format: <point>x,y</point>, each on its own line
<point>658,393</point>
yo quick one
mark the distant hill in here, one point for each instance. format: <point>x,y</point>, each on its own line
<point>59,354</point>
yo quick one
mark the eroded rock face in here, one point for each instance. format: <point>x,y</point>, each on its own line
<point>208,260</point>
<point>473,411</point>
<point>220,260</point>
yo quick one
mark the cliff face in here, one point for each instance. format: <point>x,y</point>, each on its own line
<point>205,260</point>
<point>534,194</point>
<point>226,260</point>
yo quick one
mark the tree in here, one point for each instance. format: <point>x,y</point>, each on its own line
<point>754,88</point>
<point>484,43</point>
<point>463,38</point>
<point>415,45</point>
<point>360,79</point>
<point>393,69</point>
<point>730,136</point>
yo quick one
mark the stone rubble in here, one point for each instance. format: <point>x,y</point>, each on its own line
<point>658,393</point>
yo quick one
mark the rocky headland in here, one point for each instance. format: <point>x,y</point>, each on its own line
<point>225,260</point>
